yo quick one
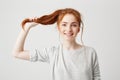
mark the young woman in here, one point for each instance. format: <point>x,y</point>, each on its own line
<point>68,60</point>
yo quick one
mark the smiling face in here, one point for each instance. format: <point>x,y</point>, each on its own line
<point>69,27</point>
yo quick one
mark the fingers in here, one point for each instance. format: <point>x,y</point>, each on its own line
<point>34,24</point>
<point>33,19</point>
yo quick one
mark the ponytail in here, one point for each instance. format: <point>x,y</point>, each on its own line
<point>45,20</point>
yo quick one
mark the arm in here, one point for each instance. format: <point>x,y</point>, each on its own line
<point>18,50</point>
<point>96,68</point>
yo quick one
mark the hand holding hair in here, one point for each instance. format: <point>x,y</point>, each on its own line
<point>29,23</point>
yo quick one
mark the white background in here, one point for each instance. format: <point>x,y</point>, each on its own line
<point>102,22</point>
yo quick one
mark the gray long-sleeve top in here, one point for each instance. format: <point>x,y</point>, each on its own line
<point>79,64</point>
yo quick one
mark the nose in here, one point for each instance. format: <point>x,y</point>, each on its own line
<point>69,28</point>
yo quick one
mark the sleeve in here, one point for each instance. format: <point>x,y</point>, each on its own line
<point>39,55</point>
<point>95,66</point>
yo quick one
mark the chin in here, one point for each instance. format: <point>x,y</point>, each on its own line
<point>69,39</point>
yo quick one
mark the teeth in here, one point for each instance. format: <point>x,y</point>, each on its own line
<point>69,34</point>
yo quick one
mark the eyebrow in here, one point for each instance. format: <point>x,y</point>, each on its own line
<point>67,22</point>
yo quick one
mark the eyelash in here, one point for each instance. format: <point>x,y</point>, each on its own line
<point>63,24</point>
<point>74,25</point>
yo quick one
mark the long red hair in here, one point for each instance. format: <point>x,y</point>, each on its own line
<point>54,17</point>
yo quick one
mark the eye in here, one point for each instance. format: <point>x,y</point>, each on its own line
<point>74,25</point>
<point>64,25</point>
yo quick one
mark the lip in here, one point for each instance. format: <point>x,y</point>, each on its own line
<point>68,34</point>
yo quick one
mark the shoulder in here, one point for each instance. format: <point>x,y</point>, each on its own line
<point>90,50</point>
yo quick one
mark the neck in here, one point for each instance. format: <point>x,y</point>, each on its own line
<point>70,45</point>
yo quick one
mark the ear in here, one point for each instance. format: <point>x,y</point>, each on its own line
<point>78,30</point>
<point>58,28</point>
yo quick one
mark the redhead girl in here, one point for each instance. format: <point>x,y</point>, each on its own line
<point>68,60</point>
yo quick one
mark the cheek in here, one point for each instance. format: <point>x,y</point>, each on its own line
<point>77,30</point>
<point>60,30</point>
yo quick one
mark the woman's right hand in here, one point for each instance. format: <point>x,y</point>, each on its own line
<point>30,25</point>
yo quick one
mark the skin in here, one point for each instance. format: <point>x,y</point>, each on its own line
<point>68,29</point>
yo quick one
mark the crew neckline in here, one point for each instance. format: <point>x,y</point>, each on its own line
<point>76,50</point>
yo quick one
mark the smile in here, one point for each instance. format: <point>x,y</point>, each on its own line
<point>68,34</point>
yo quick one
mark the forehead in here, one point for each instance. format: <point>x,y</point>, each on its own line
<point>69,18</point>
